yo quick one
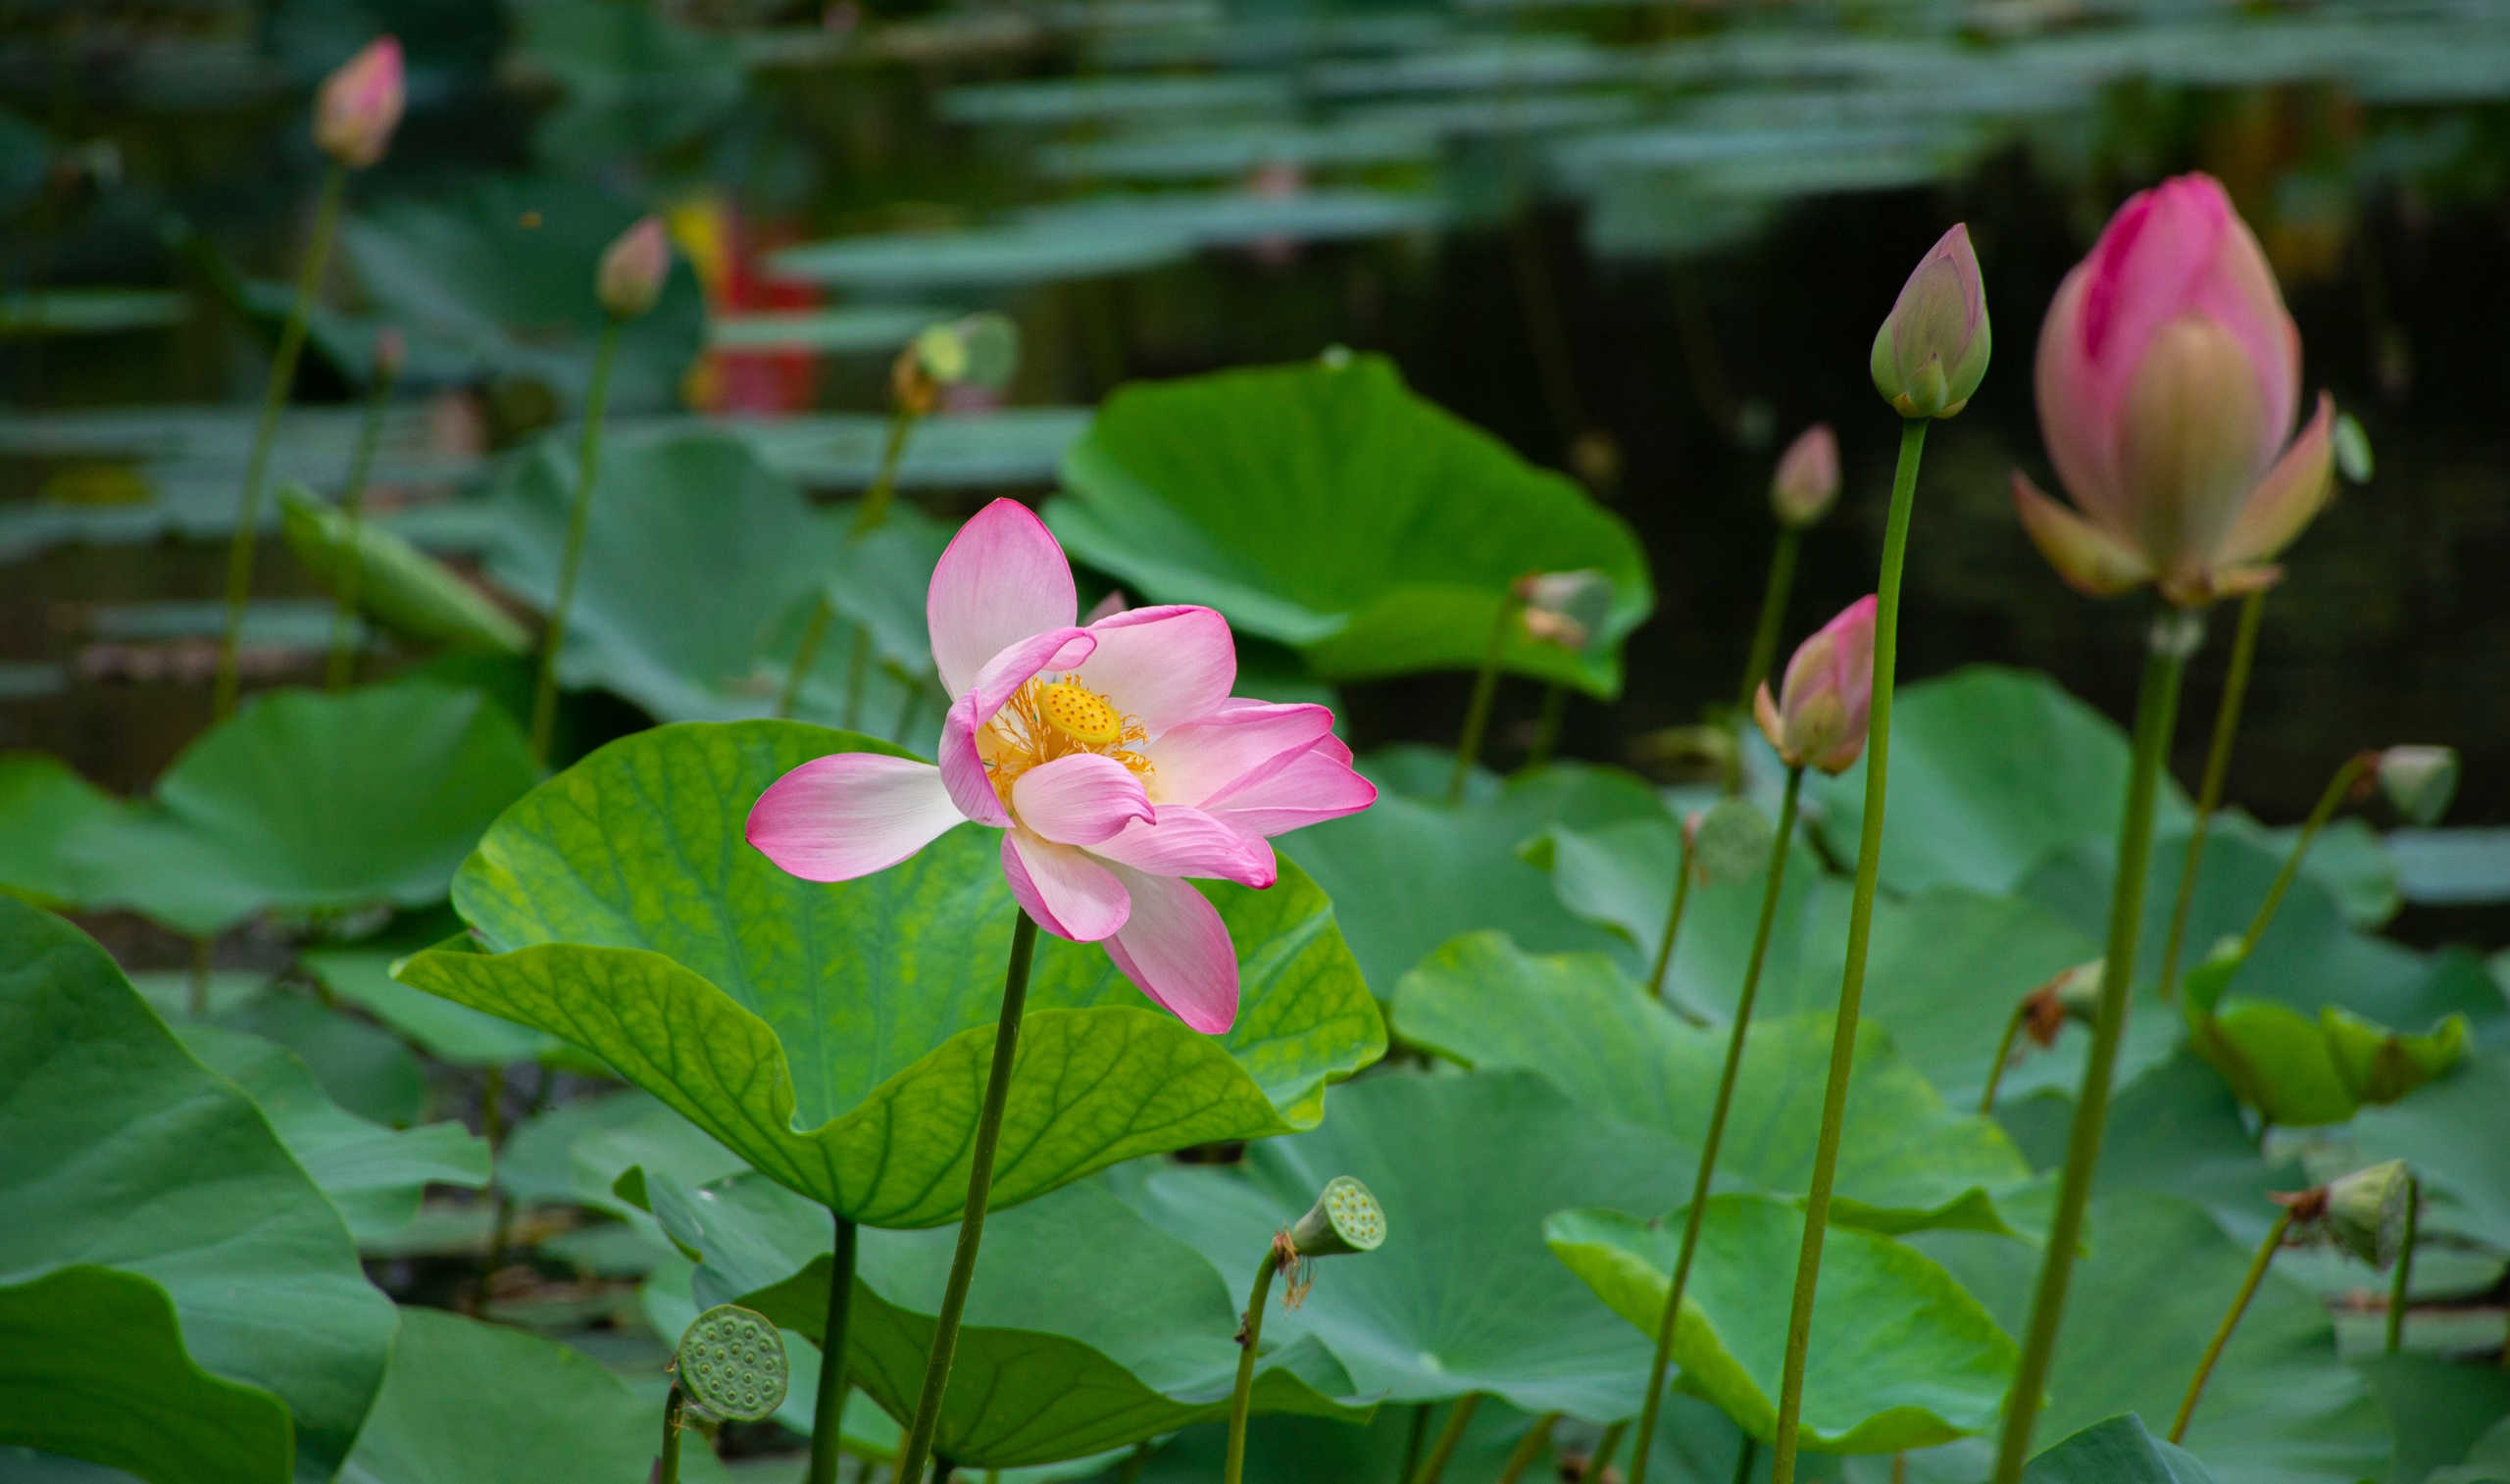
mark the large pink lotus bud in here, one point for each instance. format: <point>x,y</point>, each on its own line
<point>1931,355</point>
<point>1807,482</point>
<point>633,269</point>
<point>2169,379</point>
<point>1818,718</point>
<point>360,105</point>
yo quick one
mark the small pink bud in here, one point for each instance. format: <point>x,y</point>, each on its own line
<point>360,105</point>
<point>1931,355</point>
<point>1807,482</point>
<point>633,269</point>
<point>391,353</point>
<point>1818,720</point>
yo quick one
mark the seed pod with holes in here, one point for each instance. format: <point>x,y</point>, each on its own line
<point>2365,1212</point>
<point>1345,1218</point>
<point>732,1365</point>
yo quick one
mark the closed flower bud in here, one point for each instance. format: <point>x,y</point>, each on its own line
<point>1566,608</point>
<point>633,269</point>
<point>391,353</point>
<point>360,104</point>
<point>2419,781</point>
<point>1345,1218</point>
<point>2365,1212</point>
<point>1807,482</point>
<point>1931,353</point>
<point>1818,718</point>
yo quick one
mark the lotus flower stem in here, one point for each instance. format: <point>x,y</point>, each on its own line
<point>257,466</point>
<point>342,667</point>
<point>1605,1446</point>
<point>1546,726</point>
<point>196,989</point>
<point>2231,1320</point>
<point>544,694</point>
<point>667,1469</point>
<point>2218,764</point>
<point>1250,1333</point>
<point>1133,1462</point>
<point>2338,788</point>
<point>827,1412</point>
<point>1673,919</point>
<point>1698,1210</point>
<point>1528,1447</point>
<point>1860,926</point>
<point>870,516</point>
<point>1418,1435</point>
<point>917,1447</point>
<point>805,654</point>
<point>1485,686</point>
<point>2174,636</point>
<point>1774,595</point>
<point>1458,1418</point>
<point>1745,1455</point>
<point>2401,1284</point>
<point>2004,1054</point>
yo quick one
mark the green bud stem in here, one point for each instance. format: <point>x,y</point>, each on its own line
<point>2004,1054</point>
<point>870,516</point>
<point>2329,802</point>
<point>2231,1320</point>
<point>828,1410</point>
<point>1698,1210</point>
<point>917,1447</point>
<point>1746,1455</point>
<point>1673,918</point>
<point>667,1471</point>
<point>1413,1441</point>
<point>1528,1448</point>
<point>342,668</point>
<point>2218,765</point>
<point>544,694</point>
<point>1250,1333</point>
<point>257,467</point>
<point>1485,686</point>
<point>2401,1282</point>
<point>1774,595</point>
<point>1860,929</point>
<point>1605,1446</point>
<point>1458,1418</point>
<point>2156,717</point>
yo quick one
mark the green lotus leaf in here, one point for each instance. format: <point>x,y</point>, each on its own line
<point>837,1038</point>
<point>1903,1358</point>
<point>398,585</point>
<point>2118,1451</point>
<point>1328,508</point>
<point>118,1150</point>
<point>1904,1161</point>
<point>444,1030</point>
<point>2450,1132</point>
<point>42,802</point>
<point>1463,1297</point>
<point>2302,1072</point>
<point>93,1367</point>
<point>2439,1411</point>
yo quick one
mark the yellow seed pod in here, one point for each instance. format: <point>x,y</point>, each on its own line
<point>1081,713</point>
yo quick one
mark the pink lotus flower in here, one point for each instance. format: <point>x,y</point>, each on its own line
<point>1818,716</point>
<point>2168,377</point>
<point>360,105</point>
<point>633,269</point>
<point>1807,482</point>
<point>1112,757</point>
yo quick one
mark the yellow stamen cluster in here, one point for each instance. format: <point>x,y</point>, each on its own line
<point>1048,719</point>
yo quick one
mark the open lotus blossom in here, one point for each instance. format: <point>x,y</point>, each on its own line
<point>2169,379</point>
<point>1112,757</point>
<point>1818,718</point>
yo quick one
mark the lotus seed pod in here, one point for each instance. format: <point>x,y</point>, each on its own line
<point>732,1365</point>
<point>1345,1218</point>
<point>633,269</point>
<point>2079,990</point>
<point>1566,608</point>
<point>1807,482</point>
<point>1932,352</point>
<point>1732,841</point>
<point>2419,781</point>
<point>2365,1212</point>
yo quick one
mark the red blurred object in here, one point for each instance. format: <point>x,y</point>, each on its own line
<point>728,249</point>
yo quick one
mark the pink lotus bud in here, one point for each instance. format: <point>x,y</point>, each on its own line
<point>391,353</point>
<point>360,104</point>
<point>2168,379</point>
<point>1931,353</point>
<point>1807,482</point>
<point>1818,720</point>
<point>633,269</point>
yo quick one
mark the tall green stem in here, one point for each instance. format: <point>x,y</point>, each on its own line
<point>1458,1418</point>
<point>1860,924</point>
<point>1745,1457</point>
<point>1692,1219</point>
<point>1528,1448</point>
<point>544,694</point>
<point>1605,1446</point>
<point>2231,1320</point>
<point>870,516</point>
<point>370,431</point>
<point>2209,797</point>
<point>1413,1441</point>
<point>917,1447</point>
<point>257,467</point>
<point>2401,1284</point>
<point>2004,1054</point>
<point>2174,636</point>
<point>1781,581</point>
<point>1673,919</point>
<point>2328,800</point>
<point>827,1413</point>
<point>1250,1333</point>
<point>196,990</point>
<point>667,1471</point>
<point>1485,686</point>
<point>1546,726</point>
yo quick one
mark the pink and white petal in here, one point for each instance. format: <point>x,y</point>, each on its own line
<point>1199,759</point>
<point>1080,798</point>
<point>1187,842</point>
<point>962,769</point>
<point>1162,666</point>
<point>1177,950</point>
<point>848,815</point>
<point>1316,786</point>
<point>1070,895</point>
<point>1002,578</point>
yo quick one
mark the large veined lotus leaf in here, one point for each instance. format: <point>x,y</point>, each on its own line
<point>398,585</point>
<point>1326,506</point>
<point>2437,1410</point>
<point>1905,1160</point>
<point>837,1038</point>
<point>2299,1071</point>
<point>2116,1451</point>
<point>363,1067</point>
<point>1086,1327</point>
<point>2178,1130</point>
<point>310,802</point>
<point>446,1031</point>
<point>93,1367</point>
<point>2282,1406</point>
<point>1289,1449</point>
<point>1463,1297</point>
<point>1408,873</point>
<point>2451,1133</point>
<point>1991,770</point>
<point>376,1175</point>
<point>1903,1357</point>
<point>466,1402</point>
<point>42,802</point>
<point>537,1165</point>
<point>637,83</point>
<point>118,1150</point>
